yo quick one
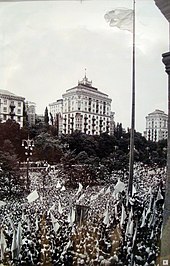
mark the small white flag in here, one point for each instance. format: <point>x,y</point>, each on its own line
<point>123,216</point>
<point>3,244</point>
<point>32,196</point>
<point>58,185</point>
<point>79,189</point>
<point>121,18</point>
<point>2,203</point>
<point>108,190</point>
<point>106,217</point>
<point>119,187</point>
<point>159,195</point>
<point>63,188</point>
<point>59,207</point>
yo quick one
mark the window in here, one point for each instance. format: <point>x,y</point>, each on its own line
<point>4,117</point>
<point>5,101</point>
<point>19,119</point>
<point>5,109</point>
<point>19,111</point>
<point>19,104</point>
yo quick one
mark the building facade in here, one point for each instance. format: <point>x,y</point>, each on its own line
<point>30,109</point>
<point>156,126</point>
<point>84,108</point>
<point>11,107</point>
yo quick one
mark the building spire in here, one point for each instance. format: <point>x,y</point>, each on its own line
<point>85,80</point>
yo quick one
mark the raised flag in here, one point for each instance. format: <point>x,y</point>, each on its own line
<point>63,188</point>
<point>121,18</point>
<point>14,245</point>
<point>108,190</point>
<point>58,185</point>
<point>59,207</point>
<point>159,195</point>
<point>79,189</point>
<point>19,237</point>
<point>119,187</point>
<point>55,223</point>
<point>106,217</point>
<point>32,196</point>
<point>3,244</point>
<point>2,203</point>
<point>123,216</point>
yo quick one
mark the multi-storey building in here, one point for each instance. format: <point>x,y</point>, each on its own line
<point>84,108</point>
<point>30,109</point>
<point>156,126</point>
<point>11,107</point>
<point>56,109</point>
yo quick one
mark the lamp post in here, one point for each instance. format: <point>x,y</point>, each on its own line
<point>28,144</point>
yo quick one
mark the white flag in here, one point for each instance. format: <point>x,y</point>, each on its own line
<point>3,244</point>
<point>2,203</point>
<point>123,216</point>
<point>79,189</point>
<point>14,245</point>
<point>32,196</point>
<point>59,207</point>
<point>108,190</point>
<point>119,187</point>
<point>159,195</point>
<point>63,188</point>
<point>19,237</point>
<point>121,18</point>
<point>106,217</point>
<point>58,185</point>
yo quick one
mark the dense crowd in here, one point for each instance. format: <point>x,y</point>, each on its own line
<point>92,225</point>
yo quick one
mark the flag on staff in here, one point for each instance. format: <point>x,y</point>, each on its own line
<point>123,216</point>
<point>2,203</point>
<point>108,190</point>
<point>3,244</point>
<point>14,245</point>
<point>121,18</point>
<point>63,188</point>
<point>32,196</point>
<point>59,207</point>
<point>159,196</point>
<point>55,223</point>
<point>19,237</point>
<point>79,189</point>
<point>119,187</point>
<point>58,185</point>
<point>106,217</point>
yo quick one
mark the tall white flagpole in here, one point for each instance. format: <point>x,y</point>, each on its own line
<point>132,130</point>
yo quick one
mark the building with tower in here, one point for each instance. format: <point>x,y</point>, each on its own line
<point>156,126</point>
<point>83,108</point>
<point>11,107</point>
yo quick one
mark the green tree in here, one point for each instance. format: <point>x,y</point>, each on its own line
<point>46,117</point>
<point>11,181</point>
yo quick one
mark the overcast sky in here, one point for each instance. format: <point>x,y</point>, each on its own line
<point>46,45</point>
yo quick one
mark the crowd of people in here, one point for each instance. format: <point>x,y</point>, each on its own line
<point>92,225</point>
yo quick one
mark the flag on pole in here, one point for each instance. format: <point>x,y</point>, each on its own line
<point>79,189</point>
<point>14,245</point>
<point>119,187</point>
<point>108,190</point>
<point>19,237</point>
<point>123,216</point>
<point>32,196</point>
<point>55,223</point>
<point>63,188</point>
<point>59,207</point>
<point>159,195</point>
<point>106,217</point>
<point>2,203</point>
<point>121,18</point>
<point>3,244</point>
<point>58,185</point>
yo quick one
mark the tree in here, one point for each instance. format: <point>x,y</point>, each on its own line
<point>11,181</point>
<point>46,117</point>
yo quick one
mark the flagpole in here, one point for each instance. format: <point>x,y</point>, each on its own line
<point>131,157</point>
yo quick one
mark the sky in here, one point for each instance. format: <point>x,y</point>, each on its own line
<point>45,47</point>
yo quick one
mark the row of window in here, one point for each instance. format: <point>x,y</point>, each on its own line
<point>6,117</point>
<point>5,101</point>
<point>5,110</point>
